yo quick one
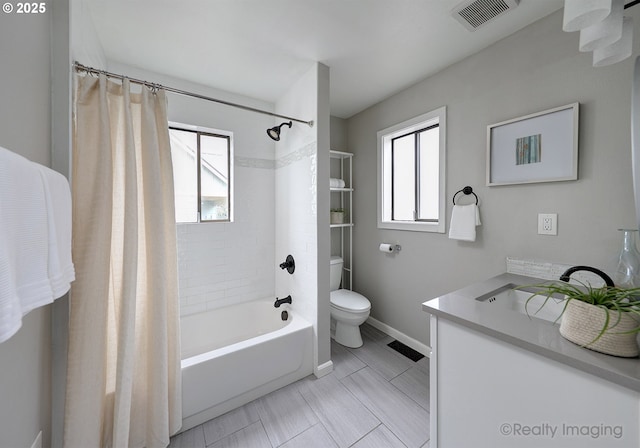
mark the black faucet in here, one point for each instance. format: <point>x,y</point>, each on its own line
<point>281,301</point>
<point>565,277</point>
<point>289,264</point>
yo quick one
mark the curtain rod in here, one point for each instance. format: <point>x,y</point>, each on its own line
<point>83,68</point>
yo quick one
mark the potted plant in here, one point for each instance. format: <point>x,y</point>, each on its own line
<point>337,216</point>
<point>604,319</point>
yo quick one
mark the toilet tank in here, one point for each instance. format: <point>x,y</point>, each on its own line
<point>335,273</point>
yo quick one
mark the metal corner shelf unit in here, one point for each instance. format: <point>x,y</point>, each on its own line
<point>342,197</point>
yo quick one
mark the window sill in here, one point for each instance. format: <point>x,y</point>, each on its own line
<point>413,226</point>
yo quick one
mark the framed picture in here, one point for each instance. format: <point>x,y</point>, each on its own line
<point>541,147</point>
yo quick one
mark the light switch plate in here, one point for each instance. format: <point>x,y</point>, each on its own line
<point>547,223</point>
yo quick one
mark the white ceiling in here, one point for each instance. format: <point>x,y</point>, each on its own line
<point>258,48</point>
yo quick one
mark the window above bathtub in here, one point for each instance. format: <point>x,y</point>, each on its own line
<point>202,173</point>
<point>411,174</point>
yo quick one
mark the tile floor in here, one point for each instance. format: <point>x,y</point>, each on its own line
<point>374,397</point>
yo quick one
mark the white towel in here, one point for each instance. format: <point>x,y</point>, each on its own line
<point>464,219</point>
<point>336,183</point>
<point>35,239</point>
<point>58,199</point>
<point>23,240</point>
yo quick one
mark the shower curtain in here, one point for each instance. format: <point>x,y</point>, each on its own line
<point>123,368</point>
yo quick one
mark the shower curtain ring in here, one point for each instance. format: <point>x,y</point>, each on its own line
<point>154,88</point>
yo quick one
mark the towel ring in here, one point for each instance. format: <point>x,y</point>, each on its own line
<point>465,190</point>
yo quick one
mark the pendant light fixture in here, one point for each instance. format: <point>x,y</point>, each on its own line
<point>605,32</point>
<point>603,28</point>
<point>580,14</point>
<point>618,51</point>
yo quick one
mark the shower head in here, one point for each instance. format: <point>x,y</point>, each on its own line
<point>274,132</point>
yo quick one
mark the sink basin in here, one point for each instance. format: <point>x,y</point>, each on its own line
<point>516,300</point>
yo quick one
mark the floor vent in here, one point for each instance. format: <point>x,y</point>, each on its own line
<point>406,351</point>
<point>473,14</point>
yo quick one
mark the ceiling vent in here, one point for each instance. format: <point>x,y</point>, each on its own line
<point>473,14</point>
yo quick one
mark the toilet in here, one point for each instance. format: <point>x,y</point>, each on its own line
<point>349,309</point>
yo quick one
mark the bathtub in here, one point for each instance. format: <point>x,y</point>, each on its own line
<point>235,354</point>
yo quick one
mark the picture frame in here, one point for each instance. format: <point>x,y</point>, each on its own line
<point>540,147</point>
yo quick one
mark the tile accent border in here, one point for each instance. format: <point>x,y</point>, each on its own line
<point>251,162</point>
<point>297,155</point>
<point>308,150</point>
<point>548,270</point>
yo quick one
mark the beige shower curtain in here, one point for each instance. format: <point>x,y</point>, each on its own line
<point>123,379</point>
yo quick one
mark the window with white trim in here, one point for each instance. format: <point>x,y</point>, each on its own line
<point>202,166</point>
<point>411,174</point>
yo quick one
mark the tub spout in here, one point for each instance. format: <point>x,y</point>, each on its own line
<point>281,301</point>
<point>565,277</point>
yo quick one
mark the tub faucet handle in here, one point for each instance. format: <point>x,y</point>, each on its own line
<point>281,301</point>
<point>289,264</point>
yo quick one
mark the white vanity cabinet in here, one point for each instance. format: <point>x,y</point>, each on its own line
<point>490,393</point>
<point>499,379</point>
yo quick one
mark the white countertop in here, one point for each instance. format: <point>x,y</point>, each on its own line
<point>532,334</point>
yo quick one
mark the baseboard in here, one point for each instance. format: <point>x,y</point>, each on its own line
<point>38,442</point>
<point>399,336</point>
<point>323,369</point>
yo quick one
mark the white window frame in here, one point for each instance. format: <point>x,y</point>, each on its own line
<point>384,191</point>
<point>229,134</point>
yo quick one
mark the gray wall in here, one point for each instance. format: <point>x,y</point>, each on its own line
<point>25,390</point>
<point>339,134</point>
<point>535,69</point>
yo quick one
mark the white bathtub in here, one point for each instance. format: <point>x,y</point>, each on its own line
<point>235,354</point>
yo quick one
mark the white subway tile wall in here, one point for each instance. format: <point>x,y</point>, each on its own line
<point>221,264</point>
<point>296,222</point>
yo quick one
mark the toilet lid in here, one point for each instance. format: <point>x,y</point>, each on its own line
<point>349,300</point>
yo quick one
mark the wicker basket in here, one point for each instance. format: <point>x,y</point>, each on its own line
<point>582,322</point>
<point>337,217</point>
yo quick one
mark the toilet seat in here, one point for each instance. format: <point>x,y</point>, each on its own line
<point>346,300</point>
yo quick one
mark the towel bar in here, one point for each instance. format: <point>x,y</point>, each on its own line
<point>466,190</point>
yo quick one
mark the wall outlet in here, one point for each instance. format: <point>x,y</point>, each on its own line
<point>547,223</point>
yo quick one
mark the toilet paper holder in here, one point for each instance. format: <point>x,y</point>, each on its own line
<point>389,248</point>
